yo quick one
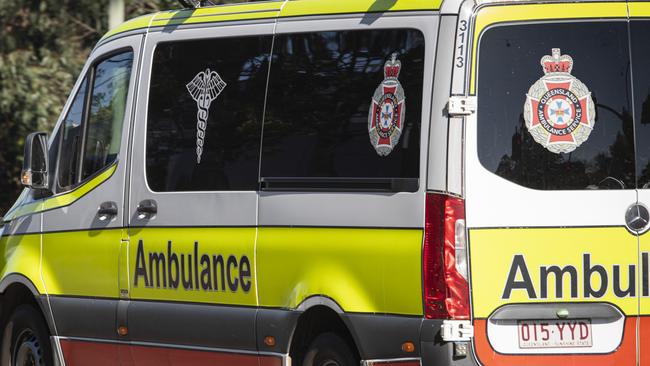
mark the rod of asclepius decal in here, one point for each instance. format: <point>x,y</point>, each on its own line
<point>204,88</point>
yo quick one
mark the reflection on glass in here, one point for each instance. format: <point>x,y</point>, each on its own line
<point>106,117</point>
<point>320,93</point>
<point>509,63</point>
<point>230,147</point>
<point>71,141</point>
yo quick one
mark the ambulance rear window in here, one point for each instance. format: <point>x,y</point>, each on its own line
<point>539,128</point>
<point>326,90</point>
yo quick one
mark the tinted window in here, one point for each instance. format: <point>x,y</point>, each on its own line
<point>322,90</point>
<point>71,131</point>
<point>205,114</point>
<point>106,117</point>
<point>509,64</point>
<point>640,33</point>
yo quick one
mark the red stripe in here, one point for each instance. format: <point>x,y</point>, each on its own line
<point>79,353</point>
<point>644,340</point>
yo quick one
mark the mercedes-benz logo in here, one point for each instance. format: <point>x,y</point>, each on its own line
<point>637,217</point>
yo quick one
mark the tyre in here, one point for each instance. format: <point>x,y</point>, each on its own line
<point>26,339</point>
<point>328,349</point>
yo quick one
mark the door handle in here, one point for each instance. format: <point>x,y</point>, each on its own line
<point>107,210</point>
<point>147,209</point>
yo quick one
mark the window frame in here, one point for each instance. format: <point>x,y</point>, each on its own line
<point>473,78</point>
<point>398,184</point>
<point>151,61</point>
<point>89,78</point>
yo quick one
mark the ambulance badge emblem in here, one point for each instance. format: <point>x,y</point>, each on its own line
<point>559,111</point>
<point>386,117</point>
<point>204,88</point>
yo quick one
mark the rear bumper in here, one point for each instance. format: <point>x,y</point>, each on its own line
<point>379,339</point>
<point>435,352</point>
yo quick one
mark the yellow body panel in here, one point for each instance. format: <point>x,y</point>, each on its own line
<point>639,9</point>
<point>82,263</point>
<point>490,15</point>
<point>493,253</point>
<point>363,270</point>
<point>21,254</point>
<point>218,14</point>
<point>644,248</point>
<point>236,242</point>
<point>318,7</point>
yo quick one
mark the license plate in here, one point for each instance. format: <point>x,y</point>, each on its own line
<point>554,333</point>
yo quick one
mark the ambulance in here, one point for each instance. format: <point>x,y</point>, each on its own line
<point>342,183</point>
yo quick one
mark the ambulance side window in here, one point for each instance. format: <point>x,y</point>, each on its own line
<point>322,90</point>
<point>89,137</point>
<point>70,141</point>
<point>206,99</point>
<point>526,116</point>
<point>106,117</point>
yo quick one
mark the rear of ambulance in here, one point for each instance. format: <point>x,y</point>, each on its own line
<point>527,258</point>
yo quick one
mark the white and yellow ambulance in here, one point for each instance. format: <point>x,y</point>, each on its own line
<point>335,183</point>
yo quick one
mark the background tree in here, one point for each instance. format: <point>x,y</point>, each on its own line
<point>44,46</point>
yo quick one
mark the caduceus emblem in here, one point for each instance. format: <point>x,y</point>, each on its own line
<point>204,88</point>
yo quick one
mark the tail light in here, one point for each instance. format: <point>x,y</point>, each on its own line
<point>446,290</point>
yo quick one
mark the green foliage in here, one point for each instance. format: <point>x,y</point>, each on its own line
<point>44,46</point>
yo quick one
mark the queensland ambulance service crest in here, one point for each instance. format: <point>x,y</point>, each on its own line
<point>559,111</point>
<point>386,117</point>
<point>204,88</point>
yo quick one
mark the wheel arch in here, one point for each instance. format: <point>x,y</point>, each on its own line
<point>320,314</point>
<point>16,289</point>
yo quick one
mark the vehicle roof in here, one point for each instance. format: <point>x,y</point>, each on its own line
<point>270,9</point>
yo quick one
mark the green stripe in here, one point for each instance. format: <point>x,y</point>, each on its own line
<point>62,200</point>
<point>270,10</point>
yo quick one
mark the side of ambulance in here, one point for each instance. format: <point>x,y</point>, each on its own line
<point>314,183</point>
<point>237,185</point>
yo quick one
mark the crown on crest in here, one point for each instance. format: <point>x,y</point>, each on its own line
<point>557,62</point>
<point>392,67</point>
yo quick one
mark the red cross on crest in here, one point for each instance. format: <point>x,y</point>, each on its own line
<point>559,111</point>
<point>386,117</point>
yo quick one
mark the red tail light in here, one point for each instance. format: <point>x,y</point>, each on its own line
<point>446,291</point>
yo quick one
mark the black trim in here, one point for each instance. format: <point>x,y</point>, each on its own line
<point>392,185</point>
<point>279,323</point>
<point>84,317</point>
<point>193,325</point>
<point>381,337</point>
<point>215,305</point>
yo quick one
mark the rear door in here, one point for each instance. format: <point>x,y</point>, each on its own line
<point>549,175</point>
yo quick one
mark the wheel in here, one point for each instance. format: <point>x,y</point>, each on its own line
<point>328,349</point>
<point>26,339</point>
